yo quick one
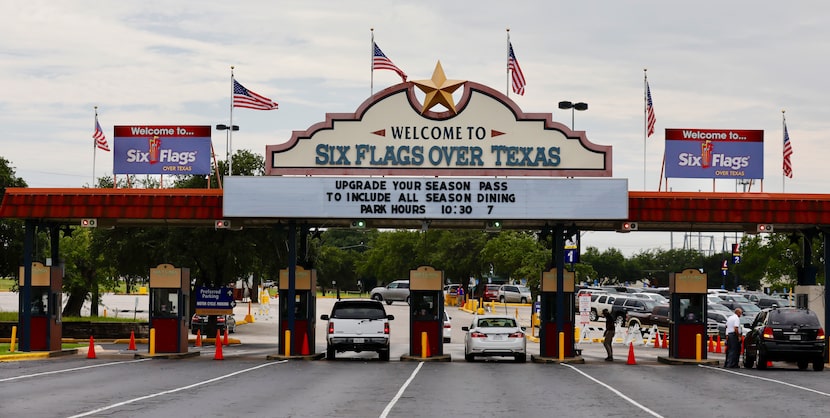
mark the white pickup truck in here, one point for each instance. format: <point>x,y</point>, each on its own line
<point>357,325</point>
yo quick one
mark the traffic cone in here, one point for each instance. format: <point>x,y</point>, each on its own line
<point>711,344</point>
<point>91,352</point>
<point>198,338</point>
<point>132,341</point>
<point>305,351</point>
<point>665,341</point>
<point>657,339</point>
<point>631,359</point>
<point>218,355</point>
<point>225,341</point>
<point>718,347</point>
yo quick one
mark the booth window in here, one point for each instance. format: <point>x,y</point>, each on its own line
<point>426,307</point>
<point>40,300</point>
<point>300,305</point>
<point>691,310</point>
<point>165,303</point>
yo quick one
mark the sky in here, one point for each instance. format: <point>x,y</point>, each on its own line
<point>710,65</point>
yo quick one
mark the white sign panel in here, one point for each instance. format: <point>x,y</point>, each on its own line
<point>425,198</point>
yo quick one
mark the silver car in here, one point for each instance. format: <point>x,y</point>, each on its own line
<point>395,291</point>
<point>514,293</point>
<point>495,335</point>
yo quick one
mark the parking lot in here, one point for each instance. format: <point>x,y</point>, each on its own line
<point>358,385</point>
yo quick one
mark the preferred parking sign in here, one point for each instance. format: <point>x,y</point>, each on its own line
<point>211,301</point>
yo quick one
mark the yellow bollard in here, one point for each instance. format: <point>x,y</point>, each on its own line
<point>698,342</point>
<point>152,341</point>
<point>249,318</point>
<point>533,324</point>
<point>561,346</point>
<point>14,338</point>
<point>517,313</point>
<point>288,343</point>
<point>424,345</point>
<point>577,334</point>
<point>105,313</point>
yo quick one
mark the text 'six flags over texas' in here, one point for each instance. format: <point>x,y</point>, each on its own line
<point>243,97</point>
<point>381,62</point>
<point>99,137</point>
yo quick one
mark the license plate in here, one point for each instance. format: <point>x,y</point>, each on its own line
<point>357,340</point>
<point>795,338</point>
<point>498,338</point>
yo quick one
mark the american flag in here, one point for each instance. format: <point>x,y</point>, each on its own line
<point>650,119</point>
<point>243,97</point>
<point>516,74</point>
<point>381,62</point>
<point>788,151</point>
<point>98,136</point>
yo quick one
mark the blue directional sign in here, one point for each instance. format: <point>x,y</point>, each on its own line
<point>736,259</point>
<point>571,254</point>
<point>211,301</point>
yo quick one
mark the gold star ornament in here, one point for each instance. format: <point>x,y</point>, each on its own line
<point>438,90</point>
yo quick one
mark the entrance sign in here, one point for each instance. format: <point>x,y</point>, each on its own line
<point>484,134</point>
<point>715,153</point>
<point>425,198</point>
<point>174,149</point>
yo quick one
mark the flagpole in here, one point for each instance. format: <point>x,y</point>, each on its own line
<point>783,129</point>
<point>372,63</point>
<point>94,149</point>
<point>229,145</point>
<point>645,123</point>
<point>507,66</point>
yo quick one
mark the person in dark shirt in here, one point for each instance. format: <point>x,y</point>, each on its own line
<point>609,334</point>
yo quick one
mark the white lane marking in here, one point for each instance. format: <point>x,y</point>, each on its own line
<point>398,395</point>
<point>167,392</point>
<point>766,379</point>
<point>618,393</point>
<point>7,379</point>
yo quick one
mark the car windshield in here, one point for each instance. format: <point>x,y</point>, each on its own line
<point>354,310</point>
<point>497,323</point>
<point>749,308</point>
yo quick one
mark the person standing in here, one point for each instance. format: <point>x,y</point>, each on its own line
<point>608,336</point>
<point>460,294</point>
<point>733,342</point>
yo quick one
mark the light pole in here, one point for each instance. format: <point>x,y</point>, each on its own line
<point>573,106</point>
<point>221,127</point>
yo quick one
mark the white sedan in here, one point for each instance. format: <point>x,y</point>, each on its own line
<point>495,335</point>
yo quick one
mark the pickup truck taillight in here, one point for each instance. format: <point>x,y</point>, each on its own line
<point>331,327</point>
<point>386,328</point>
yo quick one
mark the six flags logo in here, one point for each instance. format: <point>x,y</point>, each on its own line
<point>708,158</point>
<point>157,155</point>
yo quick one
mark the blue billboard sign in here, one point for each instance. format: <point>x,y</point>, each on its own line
<point>715,153</point>
<point>183,150</point>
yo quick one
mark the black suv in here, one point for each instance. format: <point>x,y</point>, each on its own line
<point>785,334</point>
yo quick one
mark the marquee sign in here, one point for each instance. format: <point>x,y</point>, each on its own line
<point>426,198</point>
<point>485,133</point>
<point>170,149</point>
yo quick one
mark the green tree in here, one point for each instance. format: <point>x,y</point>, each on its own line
<point>11,230</point>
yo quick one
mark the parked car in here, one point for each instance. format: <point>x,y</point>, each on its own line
<point>451,289</point>
<point>785,334</point>
<point>603,301</point>
<point>623,306</point>
<point>655,297</point>
<point>200,322</point>
<point>357,325</point>
<point>513,293</point>
<point>495,335</point>
<point>487,292</point>
<point>398,290</point>
<point>645,319</point>
<point>447,327</point>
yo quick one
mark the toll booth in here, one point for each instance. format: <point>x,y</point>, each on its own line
<point>426,311</point>
<point>169,305</point>
<point>548,334</point>
<point>688,313</point>
<point>46,304</point>
<point>305,310</point>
